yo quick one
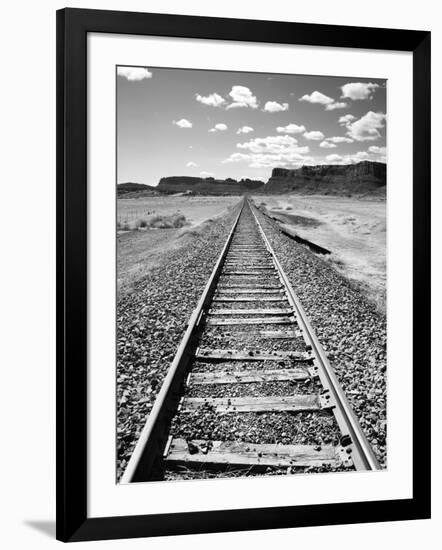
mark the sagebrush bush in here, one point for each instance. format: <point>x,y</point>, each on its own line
<point>168,222</point>
<point>141,223</point>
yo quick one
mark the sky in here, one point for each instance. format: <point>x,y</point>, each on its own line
<point>186,122</point>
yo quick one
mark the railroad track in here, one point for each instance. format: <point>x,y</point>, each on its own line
<point>250,387</point>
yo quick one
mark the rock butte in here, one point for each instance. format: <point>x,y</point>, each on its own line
<point>363,178</point>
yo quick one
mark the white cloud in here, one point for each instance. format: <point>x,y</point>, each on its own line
<point>134,74</point>
<point>327,145</point>
<point>271,144</point>
<point>270,152</point>
<point>221,127</point>
<point>329,103</point>
<point>245,130</point>
<point>348,159</point>
<point>360,155</point>
<point>290,129</point>
<point>377,150</point>
<point>378,153</point>
<point>213,100</point>
<point>336,105</point>
<point>340,139</point>
<point>275,107</point>
<point>314,135</point>
<point>183,123</point>
<point>204,174</point>
<point>334,159</point>
<point>344,120</point>
<point>367,127</point>
<point>358,90</point>
<point>191,164</point>
<point>317,97</point>
<point>242,97</point>
<point>236,157</point>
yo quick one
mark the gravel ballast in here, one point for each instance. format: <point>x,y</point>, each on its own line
<point>151,320</point>
<point>201,367</point>
<point>317,428</point>
<point>255,389</point>
<point>242,339</point>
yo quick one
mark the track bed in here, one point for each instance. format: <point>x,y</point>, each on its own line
<point>250,390</point>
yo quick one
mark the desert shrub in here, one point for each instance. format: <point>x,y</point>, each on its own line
<point>168,222</point>
<point>141,224</point>
<point>196,231</point>
<point>179,220</point>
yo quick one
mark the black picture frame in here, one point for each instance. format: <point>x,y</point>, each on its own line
<point>73,25</point>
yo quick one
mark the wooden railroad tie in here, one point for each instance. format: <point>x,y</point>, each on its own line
<point>270,311</point>
<point>242,290</point>
<point>247,376</point>
<point>205,354</point>
<point>292,403</point>
<point>236,453</point>
<point>276,320</point>
<point>240,299</point>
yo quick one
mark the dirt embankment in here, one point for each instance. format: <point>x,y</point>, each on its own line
<point>149,228</point>
<point>353,230</point>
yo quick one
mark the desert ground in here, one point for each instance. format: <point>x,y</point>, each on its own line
<point>354,230</point>
<point>150,227</point>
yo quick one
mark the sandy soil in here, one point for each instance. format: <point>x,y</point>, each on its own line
<point>195,209</point>
<point>354,230</point>
<point>139,251</point>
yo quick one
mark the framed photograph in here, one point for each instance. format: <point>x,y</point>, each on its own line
<point>243,303</point>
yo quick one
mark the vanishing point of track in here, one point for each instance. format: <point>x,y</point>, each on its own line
<point>249,330</point>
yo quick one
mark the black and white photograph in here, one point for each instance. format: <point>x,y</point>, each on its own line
<point>219,319</point>
<point>251,222</point>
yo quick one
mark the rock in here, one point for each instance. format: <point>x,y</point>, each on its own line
<point>205,186</point>
<point>363,177</point>
<point>193,449</point>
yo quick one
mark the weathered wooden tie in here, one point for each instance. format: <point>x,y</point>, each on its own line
<point>235,453</point>
<point>247,376</point>
<point>260,272</point>
<point>242,290</point>
<point>205,354</point>
<point>270,311</point>
<point>250,287</point>
<point>250,321</point>
<point>258,266</point>
<point>280,334</point>
<point>292,403</point>
<point>240,299</point>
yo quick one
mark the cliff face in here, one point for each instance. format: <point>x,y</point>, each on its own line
<point>362,178</point>
<point>207,186</point>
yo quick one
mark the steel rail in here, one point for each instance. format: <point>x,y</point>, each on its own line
<point>362,453</point>
<point>141,463</point>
